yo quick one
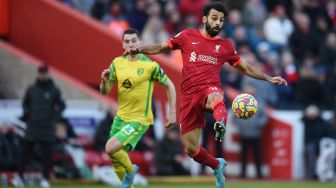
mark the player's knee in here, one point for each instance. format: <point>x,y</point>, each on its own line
<point>190,149</point>
<point>109,149</point>
<point>215,96</point>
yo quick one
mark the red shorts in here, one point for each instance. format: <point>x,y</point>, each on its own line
<point>193,107</point>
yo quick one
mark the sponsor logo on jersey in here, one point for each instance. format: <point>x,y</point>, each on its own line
<point>207,59</point>
<point>127,84</point>
<point>203,58</point>
<point>193,57</point>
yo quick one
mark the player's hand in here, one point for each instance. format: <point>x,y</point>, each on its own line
<point>171,120</point>
<point>131,52</point>
<point>278,80</point>
<point>105,76</point>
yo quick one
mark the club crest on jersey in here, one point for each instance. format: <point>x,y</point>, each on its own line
<point>140,71</point>
<point>217,48</point>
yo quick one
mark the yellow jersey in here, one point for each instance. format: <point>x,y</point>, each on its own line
<point>135,87</point>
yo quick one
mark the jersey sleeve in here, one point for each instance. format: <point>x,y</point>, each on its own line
<point>177,41</point>
<point>232,55</point>
<point>112,78</point>
<point>158,74</point>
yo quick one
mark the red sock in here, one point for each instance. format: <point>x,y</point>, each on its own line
<point>203,157</point>
<point>219,110</point>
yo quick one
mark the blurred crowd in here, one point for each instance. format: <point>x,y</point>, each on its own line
<point>292,38</point>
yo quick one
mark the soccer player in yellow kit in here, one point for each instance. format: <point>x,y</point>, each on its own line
<point>135,75</point>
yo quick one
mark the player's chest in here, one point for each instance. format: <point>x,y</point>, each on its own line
<point>205,52</point>
<point>136,73</point>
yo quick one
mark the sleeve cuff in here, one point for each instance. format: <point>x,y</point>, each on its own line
<point>236,63</point>
<point>169,43</point>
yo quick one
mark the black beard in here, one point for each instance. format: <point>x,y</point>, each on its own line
<point>210,31</point>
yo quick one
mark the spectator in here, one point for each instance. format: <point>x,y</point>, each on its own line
<point>138,16</point>
<point>192,7</point>
<point>291,74</point>
<point>304,40</point>
<point>169,159</point>
<point>328,53</point>
<point>154,31</point>
<point>83,6</point>
<point>309,88</point>
<point>63,163</point>
<point>103,129</point>
<point>232,23</point>
<point>42,105</point>
<point>250,130</point>
<point>328,63</point>
<point>98,9</point>
<point>172,18</point>
<point>71,136</point>
<point>10,149</point>
<point>331,11</point>
<point>173,23</point>
<point>278,27</point>
<point>315,128</point>
<point>254,14</point>
<point>153,9</point>
<point>115,20</point>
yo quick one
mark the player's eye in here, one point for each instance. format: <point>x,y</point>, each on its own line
<point>126,41</point>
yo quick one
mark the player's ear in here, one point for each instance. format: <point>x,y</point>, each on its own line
<point>204,19</point>
<point>123,45</point>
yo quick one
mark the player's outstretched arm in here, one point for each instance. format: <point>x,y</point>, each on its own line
<point>171,118</point>
<point>105,87</point>
<point>149,49</point>
<point>256,73</point>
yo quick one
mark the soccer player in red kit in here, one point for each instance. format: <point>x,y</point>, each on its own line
<point>203,56</point>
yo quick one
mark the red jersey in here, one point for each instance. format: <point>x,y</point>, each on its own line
<point>203,58</point>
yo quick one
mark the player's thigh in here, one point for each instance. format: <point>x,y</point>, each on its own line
<point>130,134</point>
<point>213,94</point>
<point>117,125</point>
<point>114,144</point>
<point>192,115</point>
<point>191,140</point>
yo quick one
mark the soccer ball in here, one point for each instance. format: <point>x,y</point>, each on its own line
<point>244,106</point>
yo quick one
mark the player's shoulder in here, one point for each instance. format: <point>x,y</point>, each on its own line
<point>187,32</point>
<point>226,42</point>
<point>119,59</point>
<point>145,59</point>
<point>191,31</point>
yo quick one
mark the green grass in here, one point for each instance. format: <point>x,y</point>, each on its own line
<point>229,185</point>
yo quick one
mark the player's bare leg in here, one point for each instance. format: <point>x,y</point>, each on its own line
<point>199,154</point>
<point>215,102</point>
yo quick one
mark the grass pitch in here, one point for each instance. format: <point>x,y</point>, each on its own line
<point>256,184</point>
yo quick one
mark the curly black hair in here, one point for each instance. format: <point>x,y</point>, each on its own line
<point>217,6</point>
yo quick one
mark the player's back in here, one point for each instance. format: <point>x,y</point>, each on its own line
<point>203,58</point>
